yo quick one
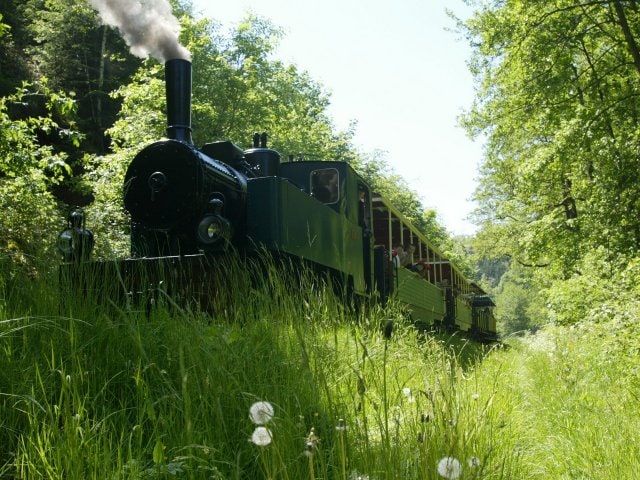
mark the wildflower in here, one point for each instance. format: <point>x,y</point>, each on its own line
<point>473,462</point>
<point>355,475</point>
<point>311,442</point>
<point>406,391</point>
<point>261,436</point>
<point>308,449</point>
<point>475,396</point>
<point>449,467</point>
<point>261,413</point>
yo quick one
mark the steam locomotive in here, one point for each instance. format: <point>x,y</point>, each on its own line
<point>188,204</point>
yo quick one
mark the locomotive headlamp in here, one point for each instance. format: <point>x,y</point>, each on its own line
<point>65,244</point>
<point>213,230</point>
<point>75,242</point>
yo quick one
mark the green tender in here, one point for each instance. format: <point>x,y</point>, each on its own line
<point>282,218</point>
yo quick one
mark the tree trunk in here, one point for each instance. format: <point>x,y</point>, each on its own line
<point>631,42</point>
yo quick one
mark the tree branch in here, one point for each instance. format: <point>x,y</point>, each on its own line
<point>631,42</point>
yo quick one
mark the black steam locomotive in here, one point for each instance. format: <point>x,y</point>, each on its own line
<point>188,204</point>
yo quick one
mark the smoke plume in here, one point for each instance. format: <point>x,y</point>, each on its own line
<point>148,26</point>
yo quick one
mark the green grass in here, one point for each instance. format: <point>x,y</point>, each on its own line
<point>99,391</point>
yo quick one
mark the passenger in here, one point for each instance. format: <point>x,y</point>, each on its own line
<point>407,259</point>
<point>397,256</point>
<point>422,268</point>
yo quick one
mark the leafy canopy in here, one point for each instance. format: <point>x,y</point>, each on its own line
<point>558,104</point>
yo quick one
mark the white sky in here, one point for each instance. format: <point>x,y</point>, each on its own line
<point>391,66</point>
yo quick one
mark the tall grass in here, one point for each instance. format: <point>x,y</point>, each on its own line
<point>91,390</point>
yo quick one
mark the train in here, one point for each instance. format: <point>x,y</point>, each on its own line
<point>190,204</point>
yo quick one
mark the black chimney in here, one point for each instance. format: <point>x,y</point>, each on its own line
<point>177,74</point>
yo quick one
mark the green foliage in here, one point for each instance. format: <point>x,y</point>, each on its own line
<point>605,289</point>
<point>519,302</point>
<point>4,28</point>
<point>558,105</point>
<point>240,89</point>
<point>13,64</point>
<point>67,43</point>
<point>29,168</point>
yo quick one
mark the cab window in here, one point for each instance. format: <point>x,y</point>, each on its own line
<point>324,185</point>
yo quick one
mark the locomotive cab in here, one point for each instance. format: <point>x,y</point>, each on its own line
<point>319,211</point>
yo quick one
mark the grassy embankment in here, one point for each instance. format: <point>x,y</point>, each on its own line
<point>101,392</point>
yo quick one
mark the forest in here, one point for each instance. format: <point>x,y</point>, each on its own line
<point>557,106</point>
<point>289,383</point>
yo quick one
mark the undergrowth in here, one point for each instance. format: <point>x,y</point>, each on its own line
<point>91,390</point>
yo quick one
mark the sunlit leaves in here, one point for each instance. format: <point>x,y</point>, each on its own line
<point>29,167</point>
<point>558,104</point>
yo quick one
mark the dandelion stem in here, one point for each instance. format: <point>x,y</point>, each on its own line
<point>311,471</point>
<point>343,450</point>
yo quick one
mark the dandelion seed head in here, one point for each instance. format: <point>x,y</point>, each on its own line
<point>342,426</point>
<point>312,438</point>
<point>406,391</point>
<point>475,396</point>
<point>308,449</point>
<point>355,475</point>
<point>261,436</point>
<point>450,468</point>
<point>311,443</point>
<point>261,413</point>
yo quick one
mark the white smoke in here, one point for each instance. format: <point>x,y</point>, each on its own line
<point>148,26</point>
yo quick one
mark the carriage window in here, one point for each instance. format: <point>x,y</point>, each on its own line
<point>324,185</point>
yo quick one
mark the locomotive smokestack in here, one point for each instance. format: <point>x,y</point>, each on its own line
<point>177,75</point>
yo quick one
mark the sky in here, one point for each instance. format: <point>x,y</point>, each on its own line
<point>399,70</point>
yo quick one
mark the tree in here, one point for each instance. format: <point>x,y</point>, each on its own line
<point>13,67</point>
<point>67,44</point>
<point>558,103</point>
<point>29,168</point>
<point>519,302</point>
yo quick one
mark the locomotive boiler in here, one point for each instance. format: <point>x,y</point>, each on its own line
<point>188,205</point>
<point>185,200</point>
